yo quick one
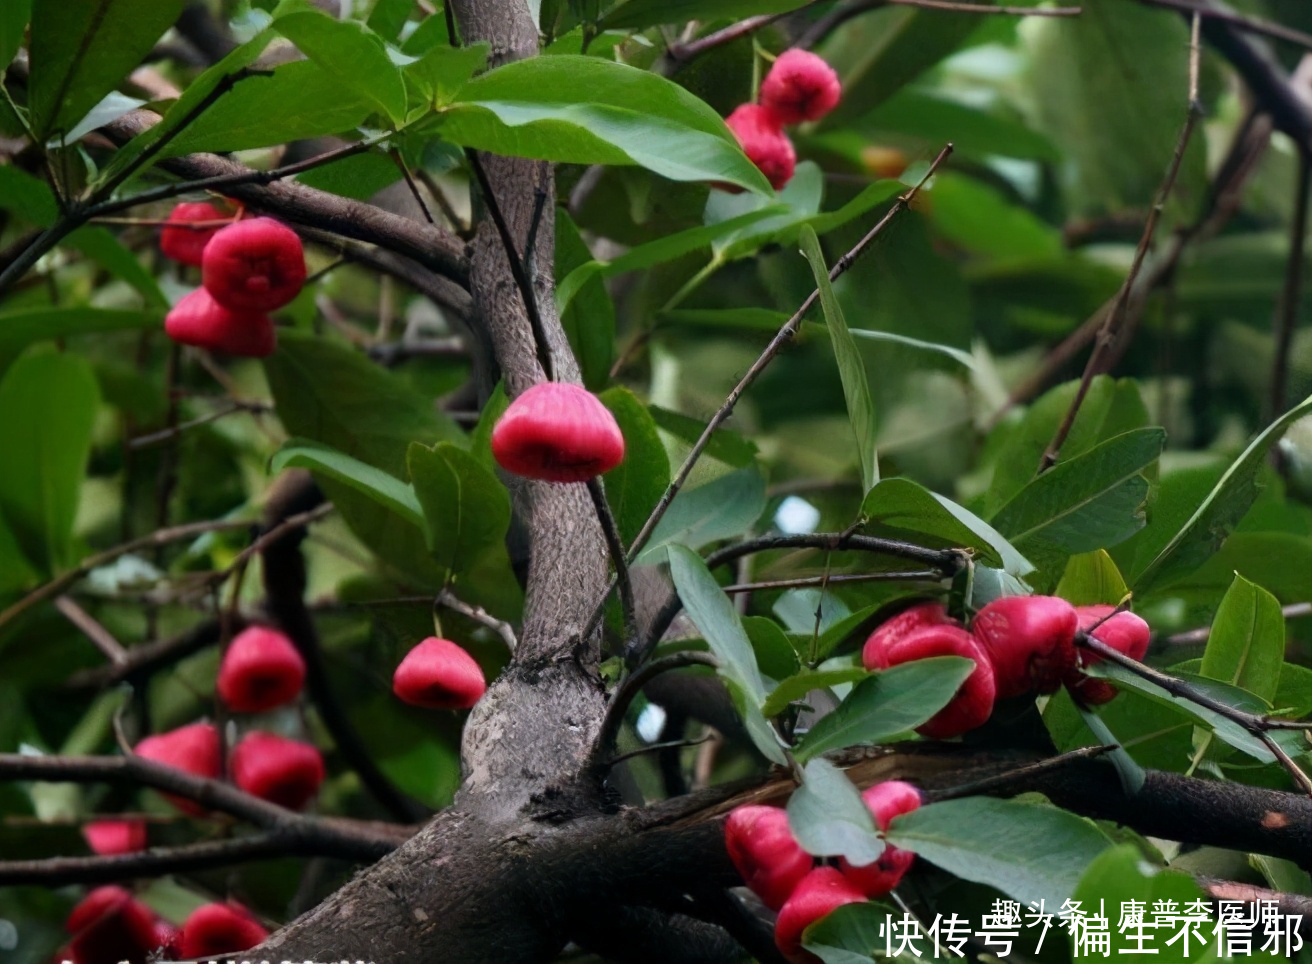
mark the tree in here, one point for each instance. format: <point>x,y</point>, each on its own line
<point>1031,279</point>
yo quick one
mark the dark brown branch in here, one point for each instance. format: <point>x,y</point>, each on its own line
<point>1268,28</point>
<point>58,871</point>
<point>616,547</point>
<point>628,691</point>
<point>98,634</point>
<point>481,616</point>
<point>142,660</point>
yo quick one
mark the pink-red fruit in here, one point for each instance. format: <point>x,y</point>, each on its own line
<point>800,87</point>
<point>254,265</point>
<point>763,140</point>
<point>557,432</point>
<point>197,319</point>
<point>218,929</point>
<point>767,856</point>
<point>439,675</point>
<point>1125,632</point>
<point>260,670</point>
<point>904,624</point>
<point>819,893</point>
<point>186,244</point>
<point>193,748</point>
<point>973,702</point>
<point>274,768</point>
<point>886,801</point>
<point>108,926</point>
<point>1031,641</point>
<point>109,837</point>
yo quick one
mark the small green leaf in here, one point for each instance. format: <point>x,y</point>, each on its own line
<point>829,818</point>
<point>589,317</point>
<point>386,490</point>
<point>712,612</point>
<point>1092,578</point>
<point>851,934</point>
<point>443,70</point>
<point>887,704</point>
<point>725,444</point>
<point>796,687</point>
<point>466,506</point>
<point>635,485</point>
<point>851,371</point>
<point>1120,875</point>
<point>1246,647</point>
<point>14,15</point>
<point>725,507</point>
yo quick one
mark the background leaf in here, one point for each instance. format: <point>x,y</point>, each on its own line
<point>466,506</point>
<point>710,610</point>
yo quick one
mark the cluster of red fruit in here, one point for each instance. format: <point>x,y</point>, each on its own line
<point>1019,644</point>
<point>776,868</point>
<point>248,268</point>
<point>799,87</point>
<point>109,926</point>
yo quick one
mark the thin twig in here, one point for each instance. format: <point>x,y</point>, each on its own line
<point>615,546</point>
<point>1200,635</point>
<point>98,634</point>
<point>628,691</point>
<point>681,52</point>
<point>480,616</point>
<point>1112,325</point>
<point>143,659</point>
<point>1292,293</point>
<point>919,575</point>
<point>164,434</point>
<point>1009,777</point>
<point>1268,28</point>
<point>404,168</point>
<point>1006,11</point>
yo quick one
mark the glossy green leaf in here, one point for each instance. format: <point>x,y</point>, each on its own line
<point>589,317</point>
<point>796,687</point>
<point>466,506</point>
<point>828,817</point>
<point>712,612</point>
<point>443,70</point>
<point>585,110</point>
<point>851,370</point>
<point>386,490</point>
<point>83,49</point>
<point>635,485</point>
<point>724,507</point>
<point>1092,578</point>
<point>774,652</point>
<point>1246,646</point>
<point>49,402</point>
<point>1028,851</point>
<point>887,704</point>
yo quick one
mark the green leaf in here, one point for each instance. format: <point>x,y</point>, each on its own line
<point>720,509</point>
<point>1092,578</point>
<point>1029,852</point>
<point>851,934</point>
<point>26,326</point>
<point>467,507</point>
<point>1246,646</point>
<point>589,317</point>
<point>983,221</point>
<point>932,118</point>
<point>635,486</point>
<point>852,373</point>
<point>349,51</point>
<point>956,354</point>
<point>108,251</point>
<point>829,818</point>
<point>759,730</point>
<point>905,507</point>
<point>712,612</point>
<point>443,70</point>
<point>774,652</point>
<point>796,687</point>
<point>585,110</point>
<point>14,15</point>
<point>82,49</point>
<point>386,490</point>
<point>652,13</point>
<point>1220,511</point>
<point>388,17</point>
<point>725,444</point>
<point>49,402</point>
<point>887,704</point>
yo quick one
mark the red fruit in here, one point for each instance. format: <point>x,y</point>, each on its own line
<point>108,837</point>
<point>439,675</point>
<point>201,321</point>
<point>260,670</point>
<point>193,748</point>
<point>254,265</point>
<point>183,243</point>
<point>821,891</point>
<point>219,929</point>
<point>800,87</point>
<point>110,926</point>
<point>557,432</point>
<point>903,624</point>
<point>1030,639</point>
<point>886,801</point>
<point>974,700</point>
<point>764,851</point>
<point>274,768</point>
<point>1125,632</point>
<point>764,142</point>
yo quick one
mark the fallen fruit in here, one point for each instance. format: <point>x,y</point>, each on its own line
<point>187,244</point>
<point>973,702</point>
<point>439,675</point>
<point>557,432</point>
<point>274,768</point>
<point>886,801</point>
<point>800,87</point>
<point>254,265</point>
<point>109,837</point>
<point>1124,632</point>
<point>261,669</point>
<point>197,319</point>
<point>763,140</point>
<point>1030,640</point>
<point>219,929</point>
<point>763,849</point>
<point>819,893</point>
<point>193,748</point>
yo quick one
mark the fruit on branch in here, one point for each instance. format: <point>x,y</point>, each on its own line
<point>193,748</point>
<point>439,675</point>
<point>254,265</point>
<point>109,925</point>
<point>219,929</point>
<point>109,837</point>
<point>886,800</point>
<point>1031,641</point>
<point>557,432</point>
<point>761,136</point>
<point>1124,632</point>
<point>275,768</point>
<point>261,669</point>
<point>197,319</point>
<point>973,702</point>
<point>187,244</point>
<point>903,624</point>
<point>821,891</point>
<point>800,87</point>
<point>765,852</point>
